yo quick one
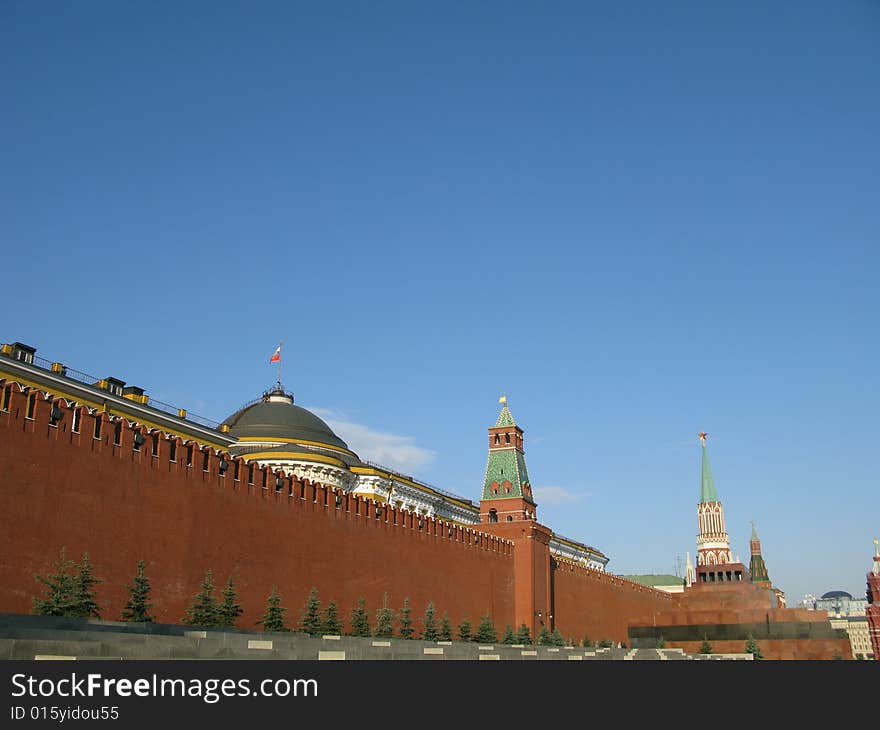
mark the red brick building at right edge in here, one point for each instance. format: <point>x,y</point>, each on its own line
<point>873,594</point>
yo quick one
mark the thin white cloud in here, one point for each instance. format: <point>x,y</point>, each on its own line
<point>555,495</point>
<point>389,449</point>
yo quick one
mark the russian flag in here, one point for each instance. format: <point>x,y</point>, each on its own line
<point>276,356</point>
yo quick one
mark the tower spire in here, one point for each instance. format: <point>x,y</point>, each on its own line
<point>757,568</point>
<point>707,483</point>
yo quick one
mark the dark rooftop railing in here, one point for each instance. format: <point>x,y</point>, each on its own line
<point>92,381</point>
<point>417,481</point>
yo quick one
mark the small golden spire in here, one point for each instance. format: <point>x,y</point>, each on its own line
<point>503,399</point>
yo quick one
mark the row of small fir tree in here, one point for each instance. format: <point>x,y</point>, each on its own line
<point>70,592</point>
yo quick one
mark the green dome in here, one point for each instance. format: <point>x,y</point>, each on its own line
<point>275,417</point>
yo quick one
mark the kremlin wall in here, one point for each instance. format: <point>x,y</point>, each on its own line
<point>92,470</point>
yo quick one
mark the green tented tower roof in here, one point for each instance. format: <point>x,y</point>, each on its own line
<point>507,463</point>
<point>505,418</point>
<point>707,483</point>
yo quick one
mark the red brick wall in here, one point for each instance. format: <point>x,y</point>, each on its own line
<point>60,488</point>
<point>601,606</point>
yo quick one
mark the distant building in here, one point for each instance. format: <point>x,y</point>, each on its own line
<point>840,604</point>
<point>668,583</point>
<point>857,629</point>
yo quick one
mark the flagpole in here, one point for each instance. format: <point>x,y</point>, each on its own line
<point>279,364</point>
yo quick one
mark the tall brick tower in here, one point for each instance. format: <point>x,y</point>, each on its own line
<point>757,568</point>
<point>508,510</point>
<point>713,544</point>
<point>873,595</point>
<point>507,492</point>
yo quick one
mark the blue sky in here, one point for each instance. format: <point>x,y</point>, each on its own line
<point>639,220</point>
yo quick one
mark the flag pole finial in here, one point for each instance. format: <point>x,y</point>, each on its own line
<point>276,357</point>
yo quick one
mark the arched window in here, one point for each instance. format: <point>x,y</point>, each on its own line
<point>507,438</point>
<point>493,515</point>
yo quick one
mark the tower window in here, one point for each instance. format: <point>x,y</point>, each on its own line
<point>493,515</point>
<point>507,438</point>
<point>497,439</point>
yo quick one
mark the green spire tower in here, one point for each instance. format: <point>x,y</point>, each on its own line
<point>507,491</point>
<point>713,544</point>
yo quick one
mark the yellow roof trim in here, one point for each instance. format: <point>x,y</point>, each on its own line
<point>261,439</point>
<point>302,455</point>
<point>410,482</point>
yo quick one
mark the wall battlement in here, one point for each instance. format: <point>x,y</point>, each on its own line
<point>113,437</point>
<point>588,573</point>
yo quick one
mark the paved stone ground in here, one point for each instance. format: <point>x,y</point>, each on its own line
<point>45,637</point>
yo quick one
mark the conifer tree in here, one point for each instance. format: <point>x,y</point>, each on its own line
<point>360,622</point>
<point>509,637</point>
<point>384,619</point>
<point>605,643</point>
<point>203,609</point>
<point>544,637</point>
<point>430,631</point>
<point>310,618</point>
<point>228,611</point>
<point>273,618</point>
<point>464,629</point>
<point>523,635</point>
<point>586,641</point>
<point>59,587</point>
<point>486,632</point>
<point>332,622</point>
<point>556,638</point>
<point>84,604</point>
<point>706,647</point>
<point>661,642</point>
<point>406,628</point>
<point>753,648</point>
<point>445,633</point>
<point>138,606</point>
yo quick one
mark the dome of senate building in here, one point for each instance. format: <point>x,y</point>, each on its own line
<point>275,418</point>
<point>837,594</point>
